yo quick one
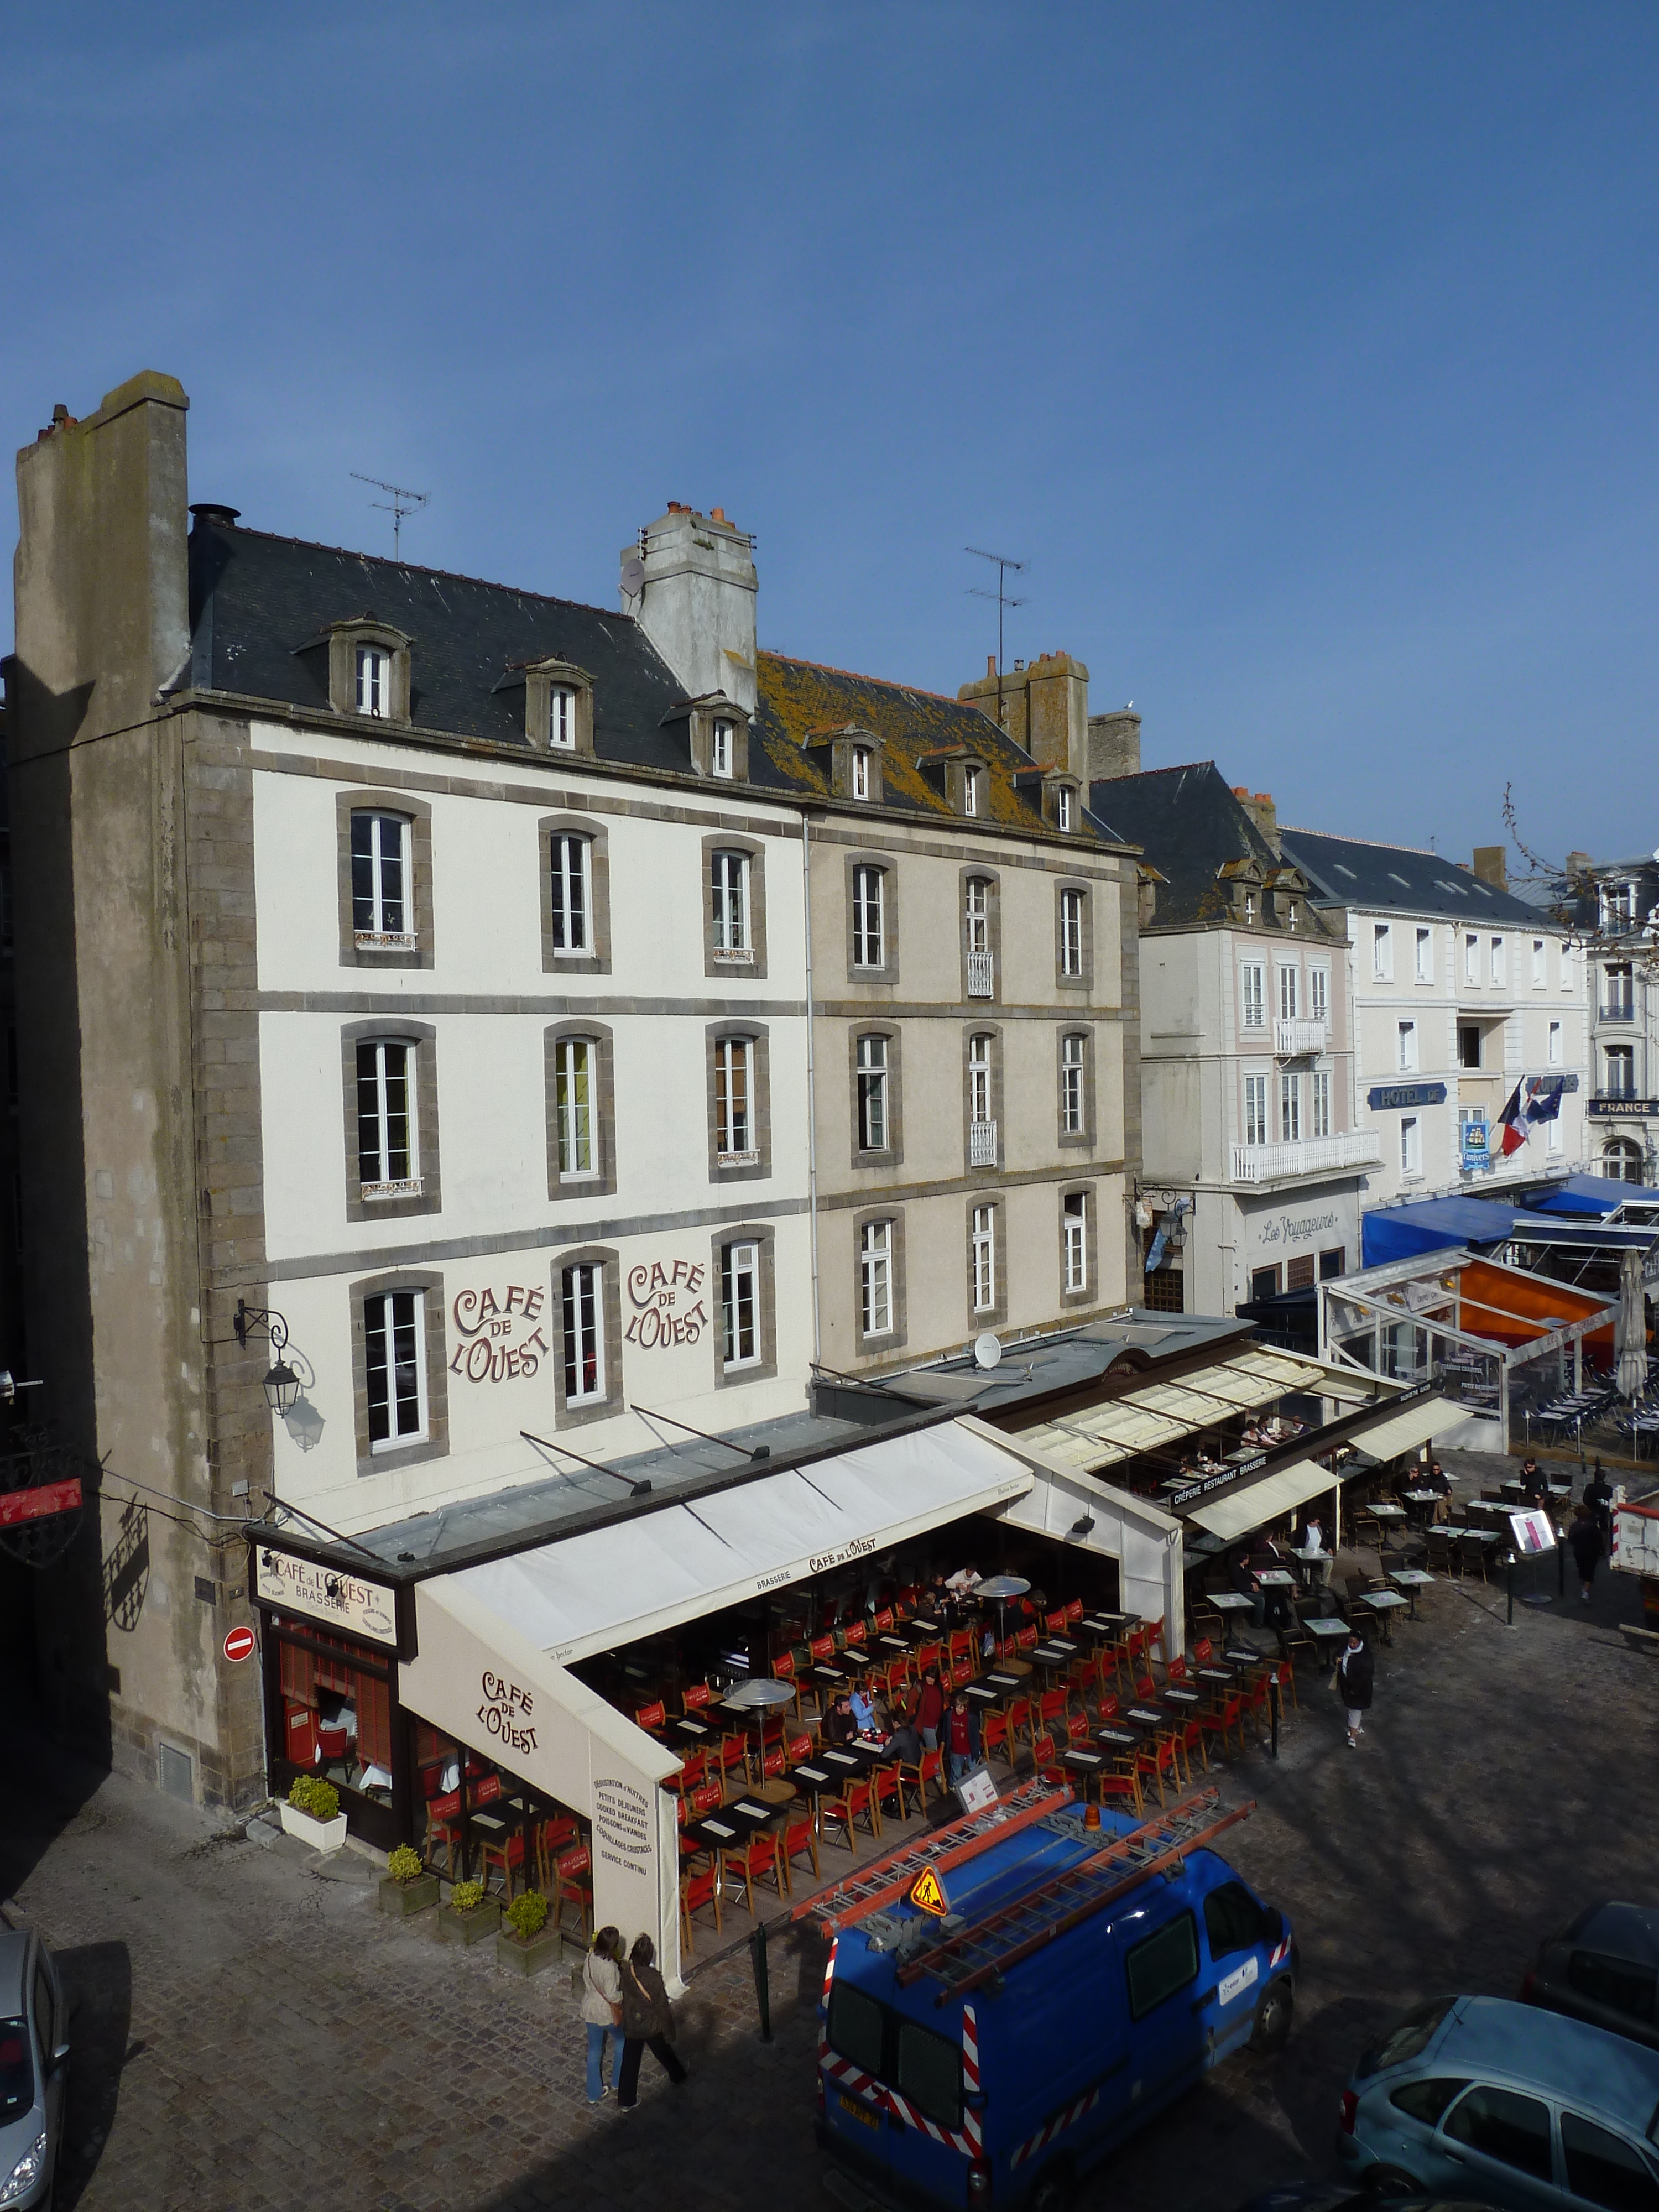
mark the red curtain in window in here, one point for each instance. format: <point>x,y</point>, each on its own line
<point>373,1721</point>
<point>298,1679</point>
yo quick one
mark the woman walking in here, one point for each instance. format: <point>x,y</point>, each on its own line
<point>647,2020</point>
<point>1355,1673</point>
<point>602,2006</point>
<point>1586,1539</point>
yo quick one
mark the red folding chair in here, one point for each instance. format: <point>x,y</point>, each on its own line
<point>570,1886</point>
<point>700,1887</point>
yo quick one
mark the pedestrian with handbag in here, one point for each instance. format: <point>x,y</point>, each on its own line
<point>602,2007</point>
<point>647,2022</point>
<point>1355,1673</point>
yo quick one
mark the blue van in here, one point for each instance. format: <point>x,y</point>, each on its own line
<point>990,2057</point>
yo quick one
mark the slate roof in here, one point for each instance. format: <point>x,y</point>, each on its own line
<point>1190,827</point>
<point>1348,871</point>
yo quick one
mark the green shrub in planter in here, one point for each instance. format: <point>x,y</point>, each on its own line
<point>407,1888</point>
<point>466,1897</point>
<point>469,1915</point>
<point>526,1916</point>
<point>320,1801</point>
<point>405,1864</point>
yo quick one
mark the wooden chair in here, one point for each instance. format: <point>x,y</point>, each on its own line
<point>573,1883</point>
<point>1122,1782</point>
<point>1190,1735</point>
<point>993,1736</point>
<point>1051,1707</point>
<point>695,1698</point>
<point>1157,1757</point>
<point>930,1767</point>
<point>754,1860</point>
<point>653,1719</point>
<point>1203,1652</point>
<point>783,1671</point>
<point>697,1888</point>
<point>800,1838</point>
<point>856,1803</point>
<point>890,1788</point>
<point>1074,1612</point>
<point>883,1621</point>
<point>1441,1557</point>
<point>1044,1753</point>
<point>1019,1720</point>
<point>1472,1557</point>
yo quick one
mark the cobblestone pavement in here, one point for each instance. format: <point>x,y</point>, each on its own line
<point>249,2035</point>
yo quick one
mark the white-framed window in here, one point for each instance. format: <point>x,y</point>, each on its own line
<point>985,1258</point>
<point>1497,969</point>
<point>873,1094</point>
<point>719,749</point>
<point>380,904</point>
<point>1071,933</point>
<point>561,717</point>
<point>1618,905</point>
<point>1621,1160</point>
<point>394,1331</point>
<point>1074,1216</point>
<point>1538,963</point>
<point>1407,1032</point>
<point>373,680</point>
<point>1618,991</point>
<point>1382,952</point>
<point>1320,1103</point>
<point>1411,1145</point>
<point>1568,970</point>
<point>1621,1071</point>
<point>584,1332</point>
<point>1552,1135</point>
<point>970,782</point>
<point>976,915</point>
<point>740,1305</point>
<point>1425,956</point>
<point>573,1086</point>
<point>1319,994</point>
<point>1471,959</point>
<point>876,1277</point>
<point>860,771</point>
<point>979,1077</point>
<point>1070,1085</point>
<point>1063,807</point>
<point>1289,1108</point>
<point>388,1157</point>
<point>869,928</point>
<point>571,906</point>
<point>729,890</point>
<point>1289,993</point>
<point>1252,995</point>
<point>1292,914</point>
<point>734,1121</point>
<point>1255,1110</point>
<point>1555,1044</point>
<point>1249,910</point>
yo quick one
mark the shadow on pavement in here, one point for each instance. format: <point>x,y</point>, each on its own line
<point>98,1984</point>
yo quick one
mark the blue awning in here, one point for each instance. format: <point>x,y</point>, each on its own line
<point>1589,1194</point>
<point>1433,1225</point>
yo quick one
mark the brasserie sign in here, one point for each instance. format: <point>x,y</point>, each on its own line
<point>344,1600</point>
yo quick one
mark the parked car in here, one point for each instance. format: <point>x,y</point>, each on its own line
<point>33,2069</point>
<point>1603,1968</point>
<point>1483,2098</point>
<point>1342,2197</point>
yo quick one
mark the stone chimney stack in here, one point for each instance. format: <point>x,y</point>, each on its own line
<point>689,582</point>
<point>1113,744</point>
<point>1043,707</point>
<point>1492,865</point>
<point>1259,805</point>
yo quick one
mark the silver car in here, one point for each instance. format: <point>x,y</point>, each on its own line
<point>33,2071</point>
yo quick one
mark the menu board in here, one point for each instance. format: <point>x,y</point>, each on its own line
<point>1533,1531</point>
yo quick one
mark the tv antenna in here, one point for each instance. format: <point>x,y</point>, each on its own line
<point>1005,562</point>
<point>403,501</point>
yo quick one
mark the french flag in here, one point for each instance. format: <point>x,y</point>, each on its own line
<point>1508,1131</point>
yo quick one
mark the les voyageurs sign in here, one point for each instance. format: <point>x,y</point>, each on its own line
<point>502,1334</point>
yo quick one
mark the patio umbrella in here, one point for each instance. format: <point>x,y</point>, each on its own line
<point>757,1696</point>
<point>1001,1587</point>
<point>1630,1335</point>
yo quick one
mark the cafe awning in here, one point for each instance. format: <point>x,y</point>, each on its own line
<point>1242,1510</point>
<point>1159,1415</point>
<point>678,1561</point>
<point>1405,1431</point>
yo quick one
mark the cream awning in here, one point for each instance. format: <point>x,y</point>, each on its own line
<point>1160,1414</point>
<point>1242,1510</point>
<point>1405,1431</point>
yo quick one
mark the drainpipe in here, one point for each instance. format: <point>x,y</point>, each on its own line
<point>811,1082</point>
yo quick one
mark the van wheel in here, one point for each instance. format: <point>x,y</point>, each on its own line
<point>1387,2181</point>
<point>1272,2019</point>
<point>1053,2192</point>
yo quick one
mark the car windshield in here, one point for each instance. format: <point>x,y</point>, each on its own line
<point>1407,2038</point>
<point>17,2075</point>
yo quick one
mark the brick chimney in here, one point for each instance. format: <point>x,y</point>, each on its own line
<point>1492,865</point>
<point>1259,805</point>
<point>1113,744</point>
<point>1043,706</point>
<point>689,581</point>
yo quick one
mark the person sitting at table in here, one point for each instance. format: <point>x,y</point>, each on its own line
<point>930,1708</point>
<point>964,1580</point>
<point>839,1725</point>
<point>962,1739</point>
<point>1435,1479</point>
<point>863,1711</point>
<point>1242,1580</point>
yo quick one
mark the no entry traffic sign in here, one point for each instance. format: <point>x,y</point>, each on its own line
<point>241,1644</point>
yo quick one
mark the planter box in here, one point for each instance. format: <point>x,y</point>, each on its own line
<point>469,1927</point>
<point>321,1835</point>
<point>400,1898</point>
<point>530,1958</point>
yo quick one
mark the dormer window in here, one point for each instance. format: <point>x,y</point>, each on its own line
<point>374,681</point>
<point>561,717</point>
<point>1063,807</point>
<point>860,771</point>
<point>970,787</point>
<point>721,748</point>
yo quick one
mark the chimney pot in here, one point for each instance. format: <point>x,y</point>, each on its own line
<point>991,667</point>
<point>676,507</point>
<point>717,514</point>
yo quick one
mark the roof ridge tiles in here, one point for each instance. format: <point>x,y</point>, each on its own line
<point>419,569</point>
<point>1380,844</point>
<point>887,683</point>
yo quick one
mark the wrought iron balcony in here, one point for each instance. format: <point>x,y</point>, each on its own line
<point>981,974</point>
<point>981,1143</point>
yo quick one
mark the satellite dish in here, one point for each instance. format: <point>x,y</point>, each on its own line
<point>633,576</point>
<point>987,1350</point>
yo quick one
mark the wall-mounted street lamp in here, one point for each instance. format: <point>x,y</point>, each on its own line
<point>282,1384</point>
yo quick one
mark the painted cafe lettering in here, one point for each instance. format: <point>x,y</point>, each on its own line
<point>667,1307</point>
<point>505,1712</point>
<point>501,1335</point>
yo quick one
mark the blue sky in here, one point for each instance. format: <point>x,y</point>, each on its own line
<point>1306,353</point>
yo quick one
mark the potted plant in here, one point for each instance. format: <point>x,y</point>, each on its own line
<point>311,1812</point>
<point>469,1915</point>
<point>525,1941</point>
<point>407,1888</point>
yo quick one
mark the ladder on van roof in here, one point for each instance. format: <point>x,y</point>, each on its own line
<point>886,1880</point>
<point>973,1955</point>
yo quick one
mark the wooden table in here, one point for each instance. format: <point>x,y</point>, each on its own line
<point>776,1789</point>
